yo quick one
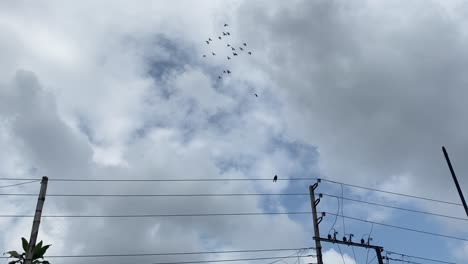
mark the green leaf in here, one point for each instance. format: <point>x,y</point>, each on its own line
<point>13,254</point>
<point>40,252</point>
<point>37,249</point>
<point>25,244</point>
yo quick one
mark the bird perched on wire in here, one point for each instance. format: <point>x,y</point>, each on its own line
<point>275,178</point>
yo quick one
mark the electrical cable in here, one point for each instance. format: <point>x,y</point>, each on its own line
<point>158,215</point>
<point>394,193</point>
<point>159,195</point>
<point>174,253</point>
<point>5,186</point>
<point>396,207</point>
<point>421,258</point>
<point>404,228</point>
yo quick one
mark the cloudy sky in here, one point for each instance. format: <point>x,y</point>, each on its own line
<point>360,92</point>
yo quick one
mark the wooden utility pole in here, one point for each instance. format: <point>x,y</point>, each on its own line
<point>455,180</point>
<point>313,204</point>
<point>37,220</point>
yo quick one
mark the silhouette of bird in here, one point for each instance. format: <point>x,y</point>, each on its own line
<point>228,71</point>
<point>256,95</point>
<point>235,54</point>
<point>224,34</point>
<point>344,239</point>
<point>204,55</point>
<point>224,71</point>
<point>228,58</point>
<point>213,53</point>
<point>329,237</point>
<point>219,77</point>
<point>244,44</point>
<point>275,178</point>
<point>250,53</point>
<point>362,241</point>
<point>232,48</point>
<point>226,25</point>
<point>228,45</point>
<point>228,33</point>
<point>219,37</point>
<point>241,48</point>
<point>207,42</point>
<point>210,39</point>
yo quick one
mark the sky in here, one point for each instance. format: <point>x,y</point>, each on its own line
<point>359,92</point>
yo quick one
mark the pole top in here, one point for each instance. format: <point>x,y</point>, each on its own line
<point>45,178</point>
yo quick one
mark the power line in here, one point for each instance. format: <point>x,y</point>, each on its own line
<point>163,180</point>
<point>405,261</point>
<point>232,260</point>
<point>158,215</point>
<point>396,207</point>
<point>5,186</point>
<point>158,195</point>
<point>421,258</point>
<point>175,253</point>
<point>403,228</point>
<point>394,193</point>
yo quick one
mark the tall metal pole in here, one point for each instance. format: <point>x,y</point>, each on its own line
<point>455,180</point>
<point>313,204</point>
<point>37,220</point>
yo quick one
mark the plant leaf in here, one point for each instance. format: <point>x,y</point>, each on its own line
<point>36,250</point>
<point>13,254</point>
<point>40,252</point>
<point>25,244</point>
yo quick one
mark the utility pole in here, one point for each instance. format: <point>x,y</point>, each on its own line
<point>37,220</point>
<point>455,180</point>
<point>318,239</point>
<point>313,204</point>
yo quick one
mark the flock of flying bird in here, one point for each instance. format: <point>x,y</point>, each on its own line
<point>235,52</point>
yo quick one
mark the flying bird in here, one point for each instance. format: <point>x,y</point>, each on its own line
<point>210,39</point>
<point>204,55</point>
<point>213,53</point>
<point>224,34</point>
<point>219,37</point>
<point>228,33</point>
<point>235,54</point>
<point>207,42</point>
<point>250,53</point>
<point>224,71</point>
<point>241,48</point>
<point>228,58</point>
<point>219,77</point>
<point>228,45</point>
<point>275,178</point>
<point>228,71</point>
<point>256,95</point>
<point>226,25</point>
<point>245,44</point>
<point>232,48</point>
